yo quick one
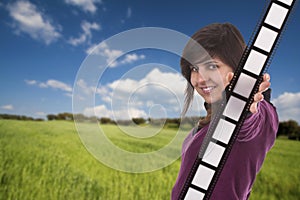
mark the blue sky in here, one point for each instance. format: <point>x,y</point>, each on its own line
<point>44,43</point>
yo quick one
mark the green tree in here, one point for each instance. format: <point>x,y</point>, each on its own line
<point>51,117</point>
<point>138,120</point>
<point>290,129</point>
<point>105,120</point>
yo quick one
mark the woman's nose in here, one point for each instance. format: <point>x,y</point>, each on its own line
<point>201,77</point>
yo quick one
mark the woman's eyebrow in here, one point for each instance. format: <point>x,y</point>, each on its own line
<point>206,62</point>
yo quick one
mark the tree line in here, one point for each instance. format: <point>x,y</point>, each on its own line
<point>289,129</point>
<point>19,117</point>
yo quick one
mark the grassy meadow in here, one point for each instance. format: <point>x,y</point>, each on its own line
<point>46,160</point>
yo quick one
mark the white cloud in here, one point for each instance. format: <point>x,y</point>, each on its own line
<point>84,87</point>
<point>31,82</point>
<point>113,56</point>
<point>86,5</point>
<point>288,106</point>
<point>160,88</point>
<point>103,50</point>
<point>130,58</point>
<point>42,85</point>
<point>7,107</point>
<point>69,95</point>
<point>129,12</point>
<point>28,19</point>
<point>58,85</point>
<point>51,83</point>
<point>86,36</point>
<point>103,111</point>
<point>90,90</point>
<point>99,111</point>
<point>87,27</point>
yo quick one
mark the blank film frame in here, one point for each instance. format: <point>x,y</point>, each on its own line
<point>231,114</point>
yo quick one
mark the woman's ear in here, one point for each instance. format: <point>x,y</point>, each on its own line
<point>229,77</point>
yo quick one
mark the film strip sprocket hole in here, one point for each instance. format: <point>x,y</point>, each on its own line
<point>225,127</point>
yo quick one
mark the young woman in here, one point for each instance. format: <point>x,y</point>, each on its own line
<point>209,77</point>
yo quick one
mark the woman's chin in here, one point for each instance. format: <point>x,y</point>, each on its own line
<point>212,99</point>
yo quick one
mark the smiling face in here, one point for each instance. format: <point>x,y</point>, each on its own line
<point>209,55</point>
<point>209,79</point>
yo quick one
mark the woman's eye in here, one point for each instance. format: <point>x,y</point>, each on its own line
<point>212,67</point>
<point>194,69</point>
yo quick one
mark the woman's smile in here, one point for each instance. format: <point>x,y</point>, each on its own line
<point>208,89</point>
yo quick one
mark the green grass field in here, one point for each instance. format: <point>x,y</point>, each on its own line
<point>46,160</point>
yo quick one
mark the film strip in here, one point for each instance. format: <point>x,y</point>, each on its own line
<point>229,118</point>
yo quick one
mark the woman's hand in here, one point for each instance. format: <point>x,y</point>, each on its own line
<point>265,84</point>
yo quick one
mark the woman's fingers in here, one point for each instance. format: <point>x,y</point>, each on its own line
<point>267,77</point>
<point>253,108</point>
<point>259,96</point>
<point>264,86</point>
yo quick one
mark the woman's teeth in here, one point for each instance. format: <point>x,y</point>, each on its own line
<point>208,90</point>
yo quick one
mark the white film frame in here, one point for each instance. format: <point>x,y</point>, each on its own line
<point>203,177</point>
<point>213,154</point>
<point>234,108</point>
<point>244,85</point>
<point>276,15</point>
<point>287,2</point>
<point>255,62</point>
<point>265,39</point>
<point>224,131</point>
<point>193,194</point>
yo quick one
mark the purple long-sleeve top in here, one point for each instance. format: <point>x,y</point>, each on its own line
<point>255,139</point>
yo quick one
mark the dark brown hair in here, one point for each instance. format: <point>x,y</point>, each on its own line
<point>223,41</point>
